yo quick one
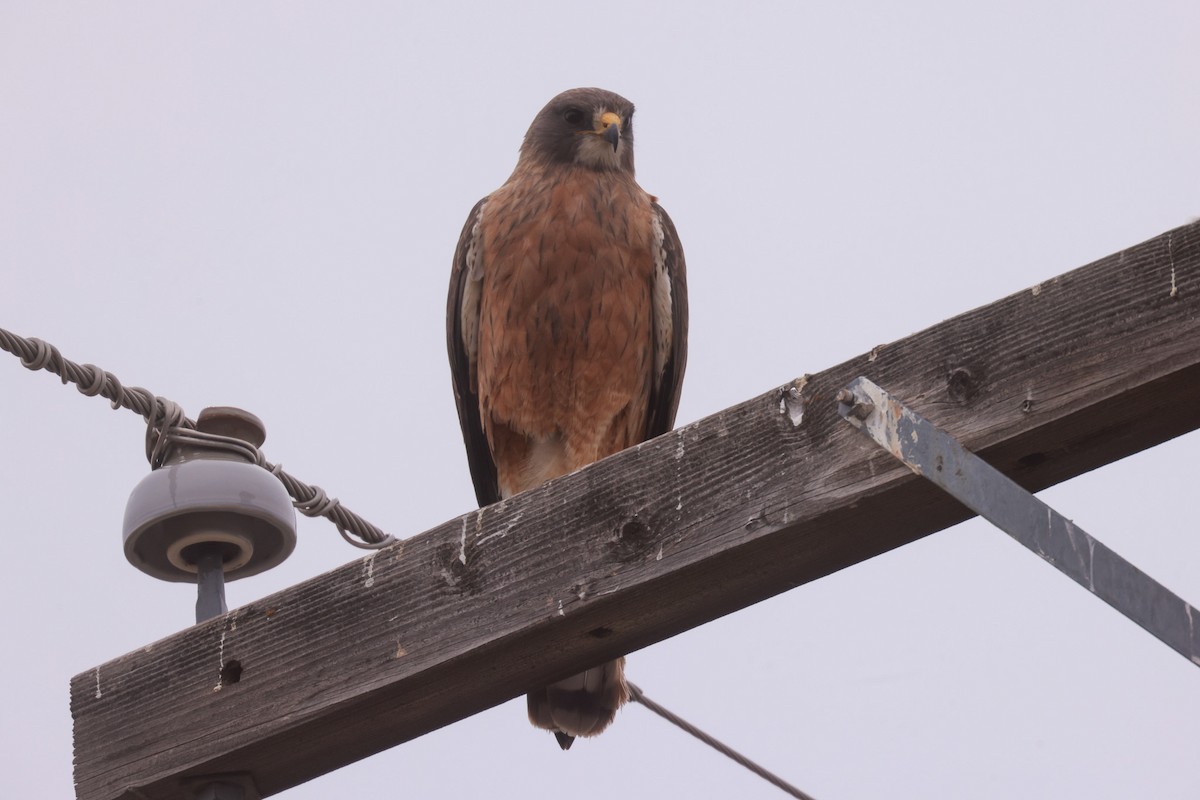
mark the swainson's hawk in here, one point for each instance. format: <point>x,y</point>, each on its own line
<point>567,326</point>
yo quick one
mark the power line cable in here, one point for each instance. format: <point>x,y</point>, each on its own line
<point>637,696</point>
<point>167,425</point>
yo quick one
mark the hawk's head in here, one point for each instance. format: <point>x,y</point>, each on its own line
<point>588,127</point>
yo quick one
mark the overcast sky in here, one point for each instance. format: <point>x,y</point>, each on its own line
<point>255,204</point>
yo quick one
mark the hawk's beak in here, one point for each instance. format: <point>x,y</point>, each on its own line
<point>611,132</point>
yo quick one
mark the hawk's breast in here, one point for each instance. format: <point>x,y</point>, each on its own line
<point>566,345</point>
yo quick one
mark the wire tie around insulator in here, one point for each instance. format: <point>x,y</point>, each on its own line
<point>43,356</point>
<point>165,417</point>
<point>97,385</point>
<point>317,505</point>
<point>215,441</point>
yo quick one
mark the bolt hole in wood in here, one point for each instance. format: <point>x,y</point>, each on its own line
<point>635,540</point>
<point>231,672</point>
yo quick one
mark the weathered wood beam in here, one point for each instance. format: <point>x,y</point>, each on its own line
<point>1046,384</point>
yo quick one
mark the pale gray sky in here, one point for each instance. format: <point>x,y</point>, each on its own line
<point>255,204</point>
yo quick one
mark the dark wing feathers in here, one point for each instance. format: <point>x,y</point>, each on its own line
<point>479,455</point>
<point>664,395</point>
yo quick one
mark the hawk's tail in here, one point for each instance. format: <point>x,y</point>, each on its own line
<point>582,705</point>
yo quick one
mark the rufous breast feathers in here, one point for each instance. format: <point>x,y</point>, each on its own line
<point>566,327</point>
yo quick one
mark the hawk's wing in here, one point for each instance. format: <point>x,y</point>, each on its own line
<point>462,340</point>
<point>670,327</point>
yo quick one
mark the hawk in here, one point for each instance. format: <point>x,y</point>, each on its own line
<point>567,328</point>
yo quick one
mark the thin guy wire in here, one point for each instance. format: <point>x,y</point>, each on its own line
<point>167,425</point>
<point>638,697</point>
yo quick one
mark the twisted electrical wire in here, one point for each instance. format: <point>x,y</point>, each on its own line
<point>167,426</point>
<point>637,696</point>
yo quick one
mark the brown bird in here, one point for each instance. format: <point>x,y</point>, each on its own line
<point>567,330</point>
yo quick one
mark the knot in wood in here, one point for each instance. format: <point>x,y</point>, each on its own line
<point>962,385</point>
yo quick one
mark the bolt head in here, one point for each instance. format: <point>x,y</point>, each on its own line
<point>862,410</point>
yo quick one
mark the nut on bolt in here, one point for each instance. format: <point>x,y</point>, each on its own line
<point>859,409</point>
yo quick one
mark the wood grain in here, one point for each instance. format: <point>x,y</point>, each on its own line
<point>1046,384</point>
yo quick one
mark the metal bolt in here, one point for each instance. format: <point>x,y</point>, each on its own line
<point>862,410</point>
<point>859,409</point>
<point>210,581</point>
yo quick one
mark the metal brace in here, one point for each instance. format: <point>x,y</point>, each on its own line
<point>934,454</point>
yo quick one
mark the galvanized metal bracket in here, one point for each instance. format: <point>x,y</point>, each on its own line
<point>937,456</point>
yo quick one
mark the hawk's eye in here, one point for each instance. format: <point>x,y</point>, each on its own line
<point>573,116</point>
